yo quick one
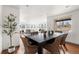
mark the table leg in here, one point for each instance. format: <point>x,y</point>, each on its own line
<point>40,50</point>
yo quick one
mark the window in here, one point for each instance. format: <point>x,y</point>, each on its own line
<point>63,25</point>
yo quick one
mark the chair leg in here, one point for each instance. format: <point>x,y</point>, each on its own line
<point>64,48</point>
<point>60,47</point>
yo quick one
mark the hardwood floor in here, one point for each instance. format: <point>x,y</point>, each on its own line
<point>14,52</point>
<point>71,49</point>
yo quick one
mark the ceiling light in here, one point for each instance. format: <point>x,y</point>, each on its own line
<point>67,6</point>
<point>27,5</point>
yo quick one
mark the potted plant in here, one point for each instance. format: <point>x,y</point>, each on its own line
<point>9,27</point>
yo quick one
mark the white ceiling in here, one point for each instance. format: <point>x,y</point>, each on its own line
<point>39,13</point>
<point>48,9</point>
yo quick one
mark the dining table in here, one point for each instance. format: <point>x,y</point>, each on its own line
<point>42,39</point>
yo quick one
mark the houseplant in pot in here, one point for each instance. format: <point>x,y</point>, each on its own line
<point>9,27</point>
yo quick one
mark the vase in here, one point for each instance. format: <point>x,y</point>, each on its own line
<point>11,49</point>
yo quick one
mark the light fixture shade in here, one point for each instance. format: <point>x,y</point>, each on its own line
<point>27,5</point>
<point>67,6</point>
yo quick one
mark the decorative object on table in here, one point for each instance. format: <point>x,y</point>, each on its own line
<point>45,34</point>
<point>51,32</point>
<point>9,27</point>
<point>48,33</point>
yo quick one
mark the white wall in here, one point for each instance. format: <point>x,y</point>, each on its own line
<point>34,19</point>
<point>75,27</point>
<point>31,16</point>
<point>6,10</point>
<point>74,35</point>
<point>0,28</point>
<point>50,23</point>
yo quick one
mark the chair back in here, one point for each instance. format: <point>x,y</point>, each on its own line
<point>30,49</point>
<point>63,38</point>
<point>25,41</point>
<point>58,40</point>
<point>55,45</point>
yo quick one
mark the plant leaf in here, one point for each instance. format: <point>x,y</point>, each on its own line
<point>5,31</point>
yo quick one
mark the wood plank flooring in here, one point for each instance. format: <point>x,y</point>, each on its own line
<point>71,49</point>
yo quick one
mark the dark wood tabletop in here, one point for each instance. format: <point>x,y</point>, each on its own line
<point>41,37</point>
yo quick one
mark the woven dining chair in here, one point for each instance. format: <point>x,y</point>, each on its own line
<point>62,43</point>
<point>29,49</point>
<point>55,46</point>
